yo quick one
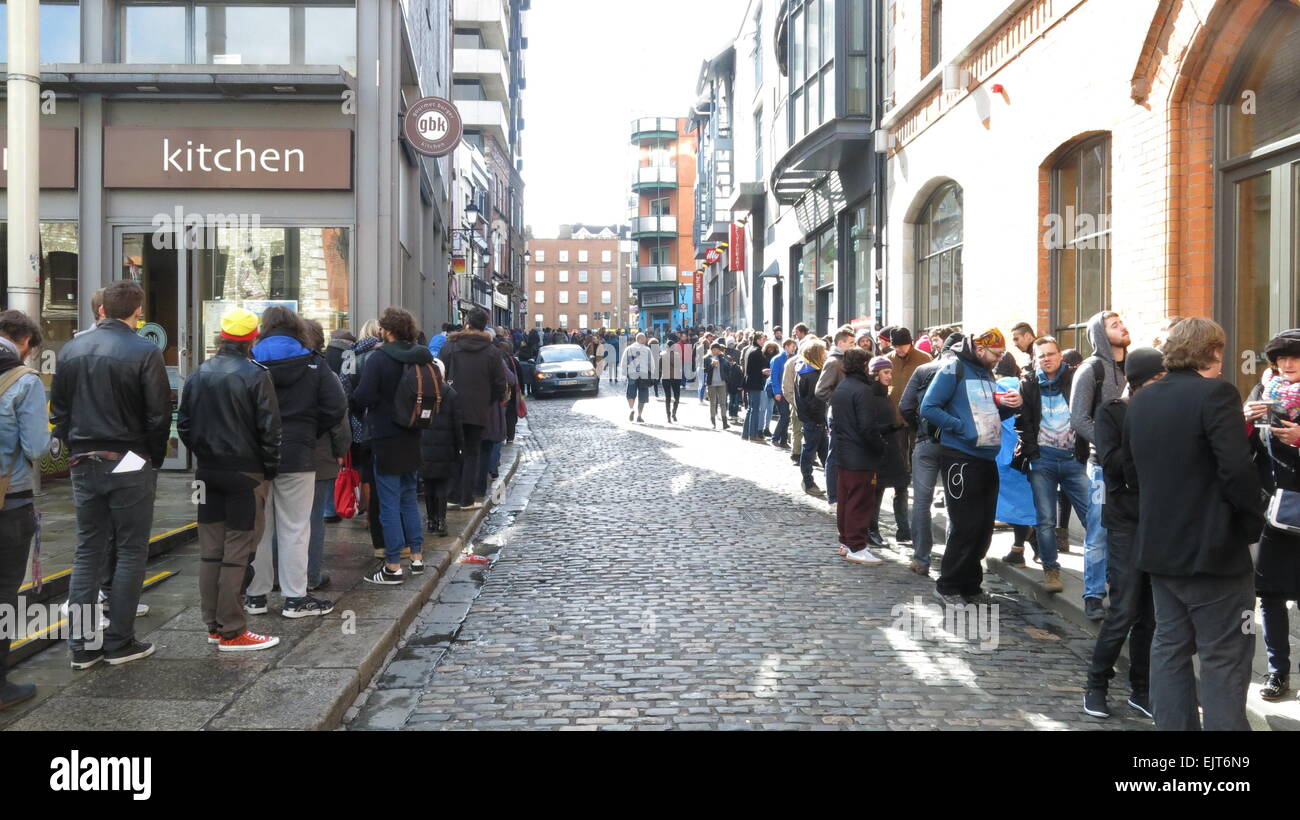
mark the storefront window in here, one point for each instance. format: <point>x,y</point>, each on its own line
<point>60,33</point>
<point>1262,107</point>
<point>938,259</point>
<point>60,249</point>
<point>306,269</point>
<point>862,274</point>
<point>241,35</point>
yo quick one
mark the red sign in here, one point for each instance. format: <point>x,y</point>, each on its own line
<point>699,287</point>
<point>736,248</point>
<point>712,255</point>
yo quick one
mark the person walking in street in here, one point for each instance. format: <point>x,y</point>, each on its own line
<point>1098,380</point>
<point>311,402</point>
<point>1273,410</point>
<point>1051,453</point>
<point>925,455</point>
<point>638,369</point>
<point>716,367</point>
<point>111,407</point>
<point>1199,508</point>
<point>964,405</point>
<point>671,373</point>
<point>813,412</point>
<point>24,437</point>
<point>395,437</point>
<point>229,419</point>
<point>862,419</point>
<point>473,366</point>
<point>1132,614</point>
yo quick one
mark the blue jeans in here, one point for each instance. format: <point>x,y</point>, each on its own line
<point>925,474</point>
<point>1046,474</point>
<point>1094,540</point>
<point>814,444</point>
<point>733,404</point>
<point>316,544</point>
<point>765,401</point>
<point>782,433</point>
<point>754,415</point>
<point>399,514</point>
<point>488,464</point>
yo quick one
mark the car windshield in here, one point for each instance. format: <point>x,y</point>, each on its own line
<point>563,354</point>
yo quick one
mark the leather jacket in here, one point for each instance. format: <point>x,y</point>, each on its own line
<point>229,415</point>
<point>110,392</point>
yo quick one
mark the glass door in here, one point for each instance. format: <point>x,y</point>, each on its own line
<point>153,259</point>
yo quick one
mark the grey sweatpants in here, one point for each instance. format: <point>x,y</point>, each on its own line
<point>288,520</point>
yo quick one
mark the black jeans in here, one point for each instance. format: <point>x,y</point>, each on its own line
<point>435,498</point>
<point>1277,638</point>
<point>1132,617</point>
<point>814,446</point>
<point>463,493</point>
<point>672,395</point>
<point>17,526</point>
<point>902,516</point>
<point>970,487</point>
<point>782,434</point>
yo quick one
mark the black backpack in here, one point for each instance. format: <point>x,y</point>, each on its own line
<point>418,398</point>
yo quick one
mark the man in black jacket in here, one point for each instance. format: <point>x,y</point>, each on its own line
<point>473,367</point>
<point>230,419</point>
<point>1199,507</point>
<point>1132,614</point>
<point>111,406</point>
<point>1050,453</point>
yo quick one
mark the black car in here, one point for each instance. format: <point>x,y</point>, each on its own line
<point>564,368</point>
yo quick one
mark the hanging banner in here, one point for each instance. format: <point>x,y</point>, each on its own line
<point>736,248</point>
<point>712,255</point>
<point>699,287</point>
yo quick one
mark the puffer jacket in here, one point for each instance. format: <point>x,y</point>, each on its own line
<point>230,415</point>
<point>442,443</point>
<point>311,398</point>
<point>473,366</point>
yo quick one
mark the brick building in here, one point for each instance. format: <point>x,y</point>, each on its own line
<point>1057,157</point>
<point>663,221</point>
<point>582,272</point>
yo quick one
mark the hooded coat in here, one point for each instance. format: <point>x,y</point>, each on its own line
<point>1084,401</point>
<point>309,395</point>
<point>397,448</point>
<point>962,407</point>
<point>473,366</point>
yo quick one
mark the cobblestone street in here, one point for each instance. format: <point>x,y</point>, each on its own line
<point>669,576</point>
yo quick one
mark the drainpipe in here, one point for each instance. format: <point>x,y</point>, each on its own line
<point>24,90</point>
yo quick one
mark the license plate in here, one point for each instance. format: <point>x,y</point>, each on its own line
<point>568,382</point>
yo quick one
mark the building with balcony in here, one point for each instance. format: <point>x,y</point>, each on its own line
<point>661,223</point>
<point>280,123</point>
<point>1159,175</point>
<point>788,178</point>
<point>579,278</point>
<point>487,82</point>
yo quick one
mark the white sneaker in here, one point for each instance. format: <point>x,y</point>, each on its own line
<point>863,556</point>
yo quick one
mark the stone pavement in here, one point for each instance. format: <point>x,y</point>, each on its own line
<point>306,682</point>
<point>668,576</point>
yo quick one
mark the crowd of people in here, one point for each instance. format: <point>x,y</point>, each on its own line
<point>1163,466</point>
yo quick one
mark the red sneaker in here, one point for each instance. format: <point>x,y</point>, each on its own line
<point>247,642</point>
<point>214,637</point>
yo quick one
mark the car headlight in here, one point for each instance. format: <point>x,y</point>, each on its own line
<point>541,376</point>
<point>589,372</point>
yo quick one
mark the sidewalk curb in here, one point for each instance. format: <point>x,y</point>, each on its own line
<point>332,714</point>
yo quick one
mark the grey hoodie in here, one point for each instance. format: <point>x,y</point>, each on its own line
<point>1082,404</point>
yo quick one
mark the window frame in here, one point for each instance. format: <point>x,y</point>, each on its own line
<point>922,258</point>
<point>1075,335</point>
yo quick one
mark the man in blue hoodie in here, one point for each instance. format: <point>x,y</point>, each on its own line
<point>964,405</point>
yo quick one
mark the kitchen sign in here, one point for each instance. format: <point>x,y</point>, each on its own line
<point>250,158</point>
<point>432,126</point>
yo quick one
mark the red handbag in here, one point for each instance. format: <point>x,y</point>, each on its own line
<point>346,488</point>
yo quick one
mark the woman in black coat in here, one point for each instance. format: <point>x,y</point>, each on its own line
<point>1277,570</point>
<point>862,415</point>
<point>893,469</point>
<point>440,447</point>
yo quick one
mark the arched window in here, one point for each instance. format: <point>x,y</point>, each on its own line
<point>1259,193</point>
<point>938,259</point>
<point>1079,238</point>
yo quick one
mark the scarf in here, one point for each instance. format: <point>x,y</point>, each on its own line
<point>1284,393</point>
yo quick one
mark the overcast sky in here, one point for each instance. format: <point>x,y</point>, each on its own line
<point>592,66</point>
